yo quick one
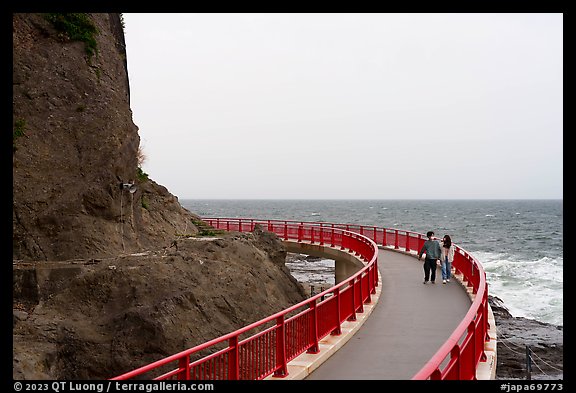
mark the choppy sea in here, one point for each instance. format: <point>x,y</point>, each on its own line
<point>518,242</point>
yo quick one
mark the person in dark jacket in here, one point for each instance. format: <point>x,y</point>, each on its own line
<point>432,250</point>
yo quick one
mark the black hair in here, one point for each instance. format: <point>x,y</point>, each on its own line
<point>447,241</point>
<point>429,234</point>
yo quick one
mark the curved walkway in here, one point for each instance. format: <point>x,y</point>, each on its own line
<point>406,327</point>
<point>406,330</point>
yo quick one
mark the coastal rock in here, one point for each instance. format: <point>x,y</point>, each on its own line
<point>515,334</point>
<point>90,321</point>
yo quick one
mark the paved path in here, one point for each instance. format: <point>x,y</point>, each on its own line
<point>408,325</point>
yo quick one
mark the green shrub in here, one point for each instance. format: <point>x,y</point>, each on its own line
<point>205,230</point>
<point>210,233</point>
<point>78,27</point>
<point>142,176</point>
<point>18,132</point>
<point>144,203</point>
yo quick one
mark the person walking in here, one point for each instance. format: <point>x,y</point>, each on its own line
<point>432,250</point>
<point>446,258</point>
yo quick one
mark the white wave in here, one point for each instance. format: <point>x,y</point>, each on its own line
<point>315,214</point>
<point>529,288</point>
<point>490,215</point>
<point>530,301</point>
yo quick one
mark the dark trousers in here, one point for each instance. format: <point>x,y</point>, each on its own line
<point>429,267</point>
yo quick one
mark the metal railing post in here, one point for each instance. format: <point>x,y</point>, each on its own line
<point>281,363</point>
<point>338,330</point>
<point>361,305</point>
<point>528,363</point>
<point>352,286</point>
<point>314,348</point>
<point>455,354</point>
<point>184,366</point>
<point>375,268</point>
<point>233,363</point>
<point>486,306</point>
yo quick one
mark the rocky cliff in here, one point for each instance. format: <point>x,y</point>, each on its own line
<point>78,190</point>
<point>109,271</point>
<point>95,319</point>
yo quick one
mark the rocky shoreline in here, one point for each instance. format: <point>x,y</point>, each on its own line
<point>544,341</point>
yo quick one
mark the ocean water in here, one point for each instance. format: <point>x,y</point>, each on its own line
<point>518,242</point>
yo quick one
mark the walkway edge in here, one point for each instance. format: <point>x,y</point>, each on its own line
<point>486,370</point>
<point>304,364</point>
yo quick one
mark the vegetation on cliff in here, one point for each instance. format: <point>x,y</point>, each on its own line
<point>77,27</point>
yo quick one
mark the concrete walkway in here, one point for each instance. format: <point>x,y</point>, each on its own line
<point>406,327</point>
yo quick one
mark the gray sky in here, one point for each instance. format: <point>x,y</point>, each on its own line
<point>349,106</point>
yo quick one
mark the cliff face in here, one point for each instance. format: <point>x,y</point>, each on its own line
<point>109,271</point>
<point>99,319</point>
<point>75,144</point>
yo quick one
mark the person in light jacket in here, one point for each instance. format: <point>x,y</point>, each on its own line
<point>446,258</point>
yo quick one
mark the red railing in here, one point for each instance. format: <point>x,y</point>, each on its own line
<point>459,356</point>
<point>265,347</point>
<point>299,328</point>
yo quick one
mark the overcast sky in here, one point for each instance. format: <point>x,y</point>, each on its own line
<point>349,106</point>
